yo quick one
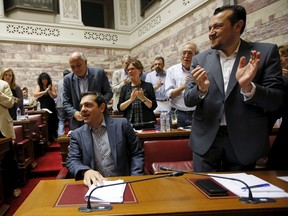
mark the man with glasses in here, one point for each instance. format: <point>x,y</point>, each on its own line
<point>176,80</point>
<point>82,79</point>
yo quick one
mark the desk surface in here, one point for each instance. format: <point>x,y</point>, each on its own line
<point>146,134</point>
<point>159,135</point>
<point>171,195</point>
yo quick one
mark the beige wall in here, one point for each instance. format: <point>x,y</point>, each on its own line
<point>267,22</point>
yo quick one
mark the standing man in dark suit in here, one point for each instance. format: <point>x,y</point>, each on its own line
<point>104,146</point>
<point>234,84</point>
<point>81,80</point>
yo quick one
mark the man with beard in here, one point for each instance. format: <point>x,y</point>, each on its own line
<point>234,85</point>
<point>176,80</point>
<point>157,79</point>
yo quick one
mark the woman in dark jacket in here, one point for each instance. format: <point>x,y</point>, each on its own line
<point>45,93</point>
<point>137,99</point>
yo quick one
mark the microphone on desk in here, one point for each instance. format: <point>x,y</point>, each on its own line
<point>104,207</point>
<point>248,200</point>
<point>144,125</point>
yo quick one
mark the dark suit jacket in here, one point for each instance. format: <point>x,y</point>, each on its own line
<point>126,151</point>
<point>97,81</point>
<point>278,154</point>
<point>246,120</point>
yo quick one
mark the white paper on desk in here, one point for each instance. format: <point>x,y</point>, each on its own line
<point>284,178</point>
<point>271,191</point>
<point>113,194</point>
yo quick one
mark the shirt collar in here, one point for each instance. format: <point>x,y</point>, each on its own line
<point>163,74</point>
<point>185,70</point>
<point>223,55</point>
<point>103,124</point>
<point>85,77</point>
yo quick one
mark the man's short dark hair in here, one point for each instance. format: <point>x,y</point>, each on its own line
<point>239,13</point>
<point>160,58</point>
<point>25,89</point>
<point>99,98</point>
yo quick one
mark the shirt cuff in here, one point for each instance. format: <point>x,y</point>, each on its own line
<point>202,95</point>
<point>249,95</point>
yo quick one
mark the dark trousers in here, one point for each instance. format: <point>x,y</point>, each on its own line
<point>220,156</point>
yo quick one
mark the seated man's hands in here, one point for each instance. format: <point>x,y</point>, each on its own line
<point>93,177</point>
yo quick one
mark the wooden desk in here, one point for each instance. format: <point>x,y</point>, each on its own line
<point>148,135</point>
<point>26,107</point>
<point>152,135</point>
<point>4,147</point>
<point>44,114</point>
<point>171,195</point>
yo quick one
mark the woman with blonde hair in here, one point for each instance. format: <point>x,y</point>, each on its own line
<point>9,76</point>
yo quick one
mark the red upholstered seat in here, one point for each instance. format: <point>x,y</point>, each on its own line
<point>175,165</point>
<point>165,153</point>
<point>39,134</point>
<point>18,133</point>
<point>23,151</point>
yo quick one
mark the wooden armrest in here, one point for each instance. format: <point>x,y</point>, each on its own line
<point>23,142</point>
<point>42,125</point>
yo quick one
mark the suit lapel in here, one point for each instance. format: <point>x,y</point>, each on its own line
<point>76,86</point>
<point>87,138</point>
<point>244,50</point>
<point>91,80</point>
<point>215,69</point>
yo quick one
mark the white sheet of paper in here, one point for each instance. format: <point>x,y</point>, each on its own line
<point>271,191</point>
<point>284,178</point>
<point>112,194</point>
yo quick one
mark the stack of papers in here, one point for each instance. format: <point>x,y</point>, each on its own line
<point>113,194</point>
<point>270,191</point>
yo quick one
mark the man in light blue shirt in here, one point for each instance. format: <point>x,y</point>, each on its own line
<point>157,79</point>
<point>176,80</point>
